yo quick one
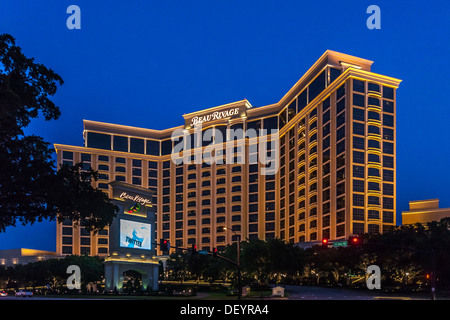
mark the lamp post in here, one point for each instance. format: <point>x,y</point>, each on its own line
<point>238,261</point>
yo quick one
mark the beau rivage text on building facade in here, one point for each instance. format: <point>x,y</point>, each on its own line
<point>336,175</point>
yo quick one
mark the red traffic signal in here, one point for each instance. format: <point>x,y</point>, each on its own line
<point>325,242</point>
<point>164,245</point>
<point>194,249</point>
<point>214,252</point>
<point>354,241</point>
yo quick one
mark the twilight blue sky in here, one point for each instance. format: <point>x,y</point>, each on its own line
<point>145,63</point>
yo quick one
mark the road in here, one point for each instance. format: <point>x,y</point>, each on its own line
<point>293,293</point>
<point>321,293</point>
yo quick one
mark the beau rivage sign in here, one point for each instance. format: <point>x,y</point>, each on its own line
<point>134,194</point>
<point>198,118</point>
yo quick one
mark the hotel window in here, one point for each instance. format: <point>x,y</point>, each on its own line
<point>358,143</point>
<point>358,200</point>
<point>388,217</point>
<point>152,147</point>
<point>66,250</point>
<point>340,106</point>
<point>358,228</point>
<point>388,147</point>
<point>68,155</point>
<point>166,147</point>
<point>270,123</point>
<point>359,114</point>
<point>358,185</point>
<point>373,228</point>
<point>317,86</point>
<point>340,189</point>
<point>359,128</point>
<point>372,101</point>
<point>302,100</point>
<point>373,172</point>
<point>118,168</point>
<point>388,106</point>
<point>374,158</point>
<point>358,86</point>
<point>84,241</point>
<point>373,214</point>
<point>373,144</point>
<point>388,134</point>
<point>340,203</point>
<point>340,230</point>
<point>373,200</point>
<point>120,143</point>
<point>359,100</point>
<point>373,130</point>
<point>120,178</point>
<point>388,93</point>
<point>388,120</point>
<point>98,140</point>
<point>373,115</point>
<point>388,189</point>
<point>326,129</point>
<point>358,214</point>
<point>388,203</point>
<point>326,103</point>
<point>340,147</point>
<point>340,133</point>
<point>121,160</point>
<point>340,120</point>
<point>358,171</point>
<point>373,87</point>
<point>358,157</point>
<point>137,145</point>
<point>326,116</point>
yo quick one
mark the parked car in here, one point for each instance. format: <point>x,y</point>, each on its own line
<point>24,293</point>
<point>3,293</point>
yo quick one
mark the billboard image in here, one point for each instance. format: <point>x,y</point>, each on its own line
<point>135,235</point>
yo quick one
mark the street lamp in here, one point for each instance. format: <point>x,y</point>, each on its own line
<point>238,261</point>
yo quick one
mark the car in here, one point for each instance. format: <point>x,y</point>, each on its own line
<point>3,293</point>
<point>24,293</point>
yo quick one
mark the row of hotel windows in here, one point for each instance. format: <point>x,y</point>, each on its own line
<point>85,240</point>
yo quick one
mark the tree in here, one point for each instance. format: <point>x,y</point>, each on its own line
<point>31,189</point>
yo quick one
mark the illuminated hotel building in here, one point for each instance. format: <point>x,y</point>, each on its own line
<point>336,173</point>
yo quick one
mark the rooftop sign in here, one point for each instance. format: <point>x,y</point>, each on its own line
<point>232,110</point>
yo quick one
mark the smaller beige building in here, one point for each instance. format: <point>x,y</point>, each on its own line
<point>11,257</point>
<point>424,211</point>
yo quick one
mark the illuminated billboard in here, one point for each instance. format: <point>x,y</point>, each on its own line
<point>135,235</point>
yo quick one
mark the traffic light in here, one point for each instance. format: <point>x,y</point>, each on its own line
<point>194,249</point>
<point>354,240</point>
<point>325,243</point>
<point>214,252</point>
<point>164,245</point>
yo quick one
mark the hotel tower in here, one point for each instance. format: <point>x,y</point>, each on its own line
<point>332,174</point>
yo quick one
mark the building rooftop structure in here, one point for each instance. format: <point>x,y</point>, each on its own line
<point>10,257</point>
<point>423,211</point>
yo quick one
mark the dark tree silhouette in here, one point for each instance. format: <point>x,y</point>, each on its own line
<point>31,189</point>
